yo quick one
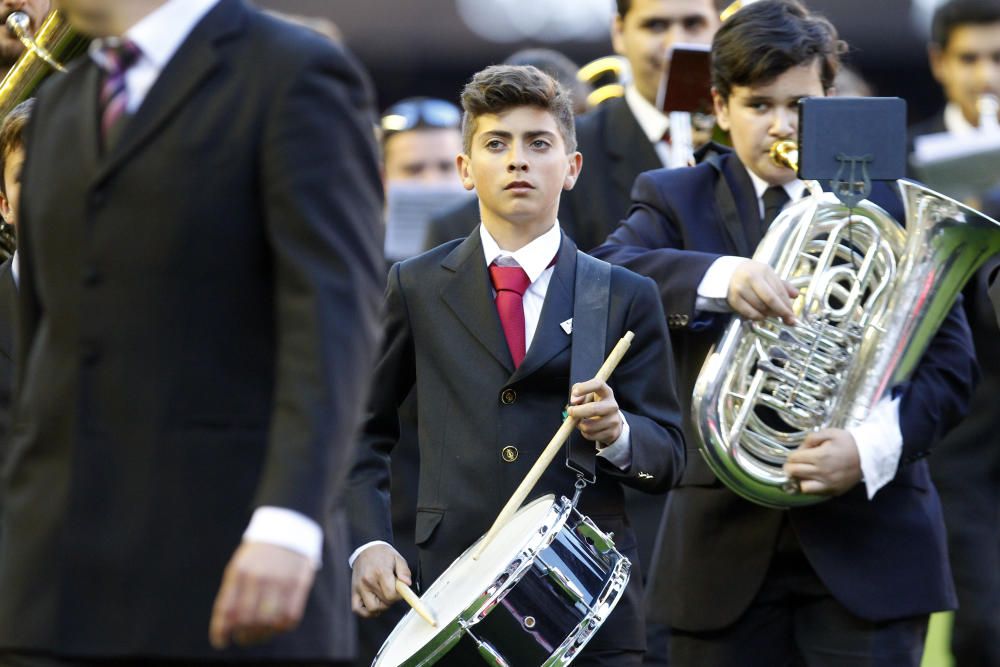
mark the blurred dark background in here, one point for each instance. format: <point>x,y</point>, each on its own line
<point>431,47</point>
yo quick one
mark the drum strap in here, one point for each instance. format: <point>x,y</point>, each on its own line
<point>591,303</point>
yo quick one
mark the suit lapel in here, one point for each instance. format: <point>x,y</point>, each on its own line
<point>88,126</point>
<point>467,293</point>
<point>628,146</point>
<point>738,207</point>
<point>194,61</point>
<point>550,339</point>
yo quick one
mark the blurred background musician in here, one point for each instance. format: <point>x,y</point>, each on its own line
<point>625,136</point>
<point>11,159</point>
<point>964,55</point>
<point>738,583</point>
<point>198,313</point>
<point>11,47</point>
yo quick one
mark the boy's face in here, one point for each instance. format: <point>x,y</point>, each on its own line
<point>969,66</point>
<point>425,155</point>
<point>10,46</point>
<point>757,116</point>
<point>518,166</point>
<point>651,27</point>
<point>12,185</point>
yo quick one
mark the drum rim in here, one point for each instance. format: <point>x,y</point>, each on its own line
<point>451,632</point>
<point>611,594</point>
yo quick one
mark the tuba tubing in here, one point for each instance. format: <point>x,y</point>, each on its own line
<point>872,297</point>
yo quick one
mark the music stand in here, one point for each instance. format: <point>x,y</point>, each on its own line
<point>852,141</point>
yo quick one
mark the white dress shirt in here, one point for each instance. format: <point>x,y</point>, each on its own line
<point>159,35</point>
<point>535,258</point>
<point>955,122</point>
<point>879,439</point>
<point>653,122</point>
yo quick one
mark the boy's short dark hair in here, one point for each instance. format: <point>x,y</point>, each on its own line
<point>762,41</point>
<point>12,135</point>
<point>958,13</point>
<point>499,88</point>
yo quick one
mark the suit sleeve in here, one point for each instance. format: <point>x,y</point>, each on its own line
<point>368,499</point>
<point>644,385</point>
<point>649,242</point>
<point>995,295</point>
<point>936,398</point>
<point>322,198</point>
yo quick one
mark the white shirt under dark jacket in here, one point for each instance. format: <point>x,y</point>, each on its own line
<point>535,258</point>
<point>159,35</point>
<point>879,438</point>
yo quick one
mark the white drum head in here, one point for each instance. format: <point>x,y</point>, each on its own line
<point>464,581</point>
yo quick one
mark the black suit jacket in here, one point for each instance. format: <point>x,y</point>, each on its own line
<point>615,151</point>
<point>199,313</point>
<point>715,547</point>
<point>443,335</point>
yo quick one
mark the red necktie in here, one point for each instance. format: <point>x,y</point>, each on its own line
<point>510,283</point>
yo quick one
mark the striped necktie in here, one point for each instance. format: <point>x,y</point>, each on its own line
<point>118,58</point>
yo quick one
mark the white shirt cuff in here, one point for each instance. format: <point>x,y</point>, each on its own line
<point>357,552</point>
<point>880,445</point>
<point>619,452</point>
<point>286,528</point>
<point>713,289</point>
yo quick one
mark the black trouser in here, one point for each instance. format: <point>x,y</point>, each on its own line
<point>794,621</point>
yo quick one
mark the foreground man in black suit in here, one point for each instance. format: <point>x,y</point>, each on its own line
<point>198,299</point>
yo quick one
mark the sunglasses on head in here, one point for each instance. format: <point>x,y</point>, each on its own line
<point>418,112</point>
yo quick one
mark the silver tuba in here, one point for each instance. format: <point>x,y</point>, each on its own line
<point>871,297</point>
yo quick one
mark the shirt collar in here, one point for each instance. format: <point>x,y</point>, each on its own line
<point>954,120</point>
<point>534,257</point>
<point>161,32</point>
<point>794,189</point>
<point>653,122</point>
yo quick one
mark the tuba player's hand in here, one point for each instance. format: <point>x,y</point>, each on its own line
<point>756,292</point>
<point>827,463</point>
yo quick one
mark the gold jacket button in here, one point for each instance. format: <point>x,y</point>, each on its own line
<point>508,396</point>
<point>509,453</point>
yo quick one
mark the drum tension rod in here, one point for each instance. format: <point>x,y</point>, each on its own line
<point>579,485</point>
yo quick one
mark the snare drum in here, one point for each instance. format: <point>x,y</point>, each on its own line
<point>536,596</point>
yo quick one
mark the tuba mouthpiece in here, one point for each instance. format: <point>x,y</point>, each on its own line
<point>18,24</point>
<point>785,153</point>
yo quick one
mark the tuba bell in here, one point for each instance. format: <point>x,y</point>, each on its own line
<point>871,297</point>
<point>55,43</point>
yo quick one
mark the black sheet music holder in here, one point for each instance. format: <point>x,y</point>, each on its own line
<point>852,141</point>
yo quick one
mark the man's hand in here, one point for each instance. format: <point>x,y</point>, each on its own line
<point>826,463</point>
<point>756,292</point>
<point>264,592</point>
<point>373,580</point>
<point>600,419</point>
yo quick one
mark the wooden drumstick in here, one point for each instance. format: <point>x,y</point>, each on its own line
<point>416,603</point>
<point>550,451</point>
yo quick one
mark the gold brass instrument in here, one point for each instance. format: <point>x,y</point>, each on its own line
<point>871,297</point>
<point>607,76</point>
<point>54,43</point>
